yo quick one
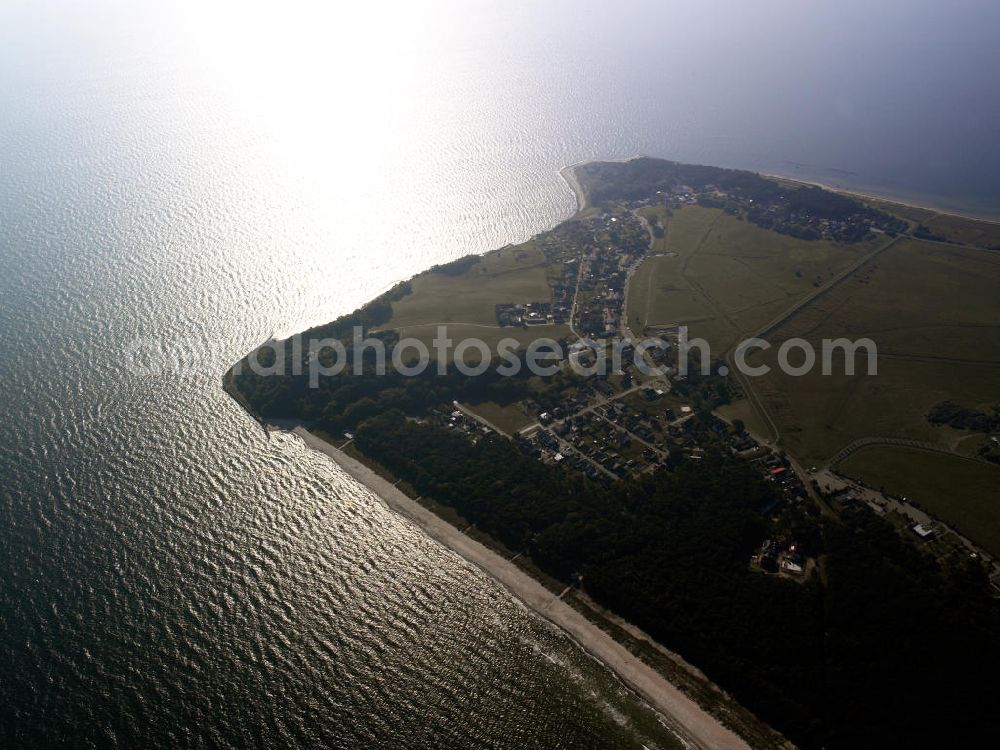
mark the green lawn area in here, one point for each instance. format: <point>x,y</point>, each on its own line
<point>959,229</point>
<point>465,302</point>
<point>818,415</point>
<point>964,494</point>
<point>915,299</point>
<point>509,275</point>
<point>743,409</point>
<point>510,418</point>
<point>928,309</point>
<point>658,405</point>
<point>914,214</point>
<point>726,278</point>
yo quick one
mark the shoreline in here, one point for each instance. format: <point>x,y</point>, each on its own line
<point>693,724</point>
<point>568,173</point>
<point>896,201</point>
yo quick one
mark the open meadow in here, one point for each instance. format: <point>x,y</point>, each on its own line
<point>463,296</point>
<point>725,278</point>
<point>928,308</point>
<point>931,310</point>
<point>964,493</point>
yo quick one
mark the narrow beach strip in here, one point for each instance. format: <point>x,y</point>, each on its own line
<point>695,725</point>
<point>569,175</point>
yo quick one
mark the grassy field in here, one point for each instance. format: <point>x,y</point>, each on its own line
<point>819,415</point>
<point>928,308</point>
<point>949,227</point>
<point>465,302</point>
<point>931,310</point>
<point>742,409</point>
<point>964,494</point>
<point>726,278</point>
<point>958,229</point>
<point>510,418</point>
<point>511,274</point>
<point>917,299</point>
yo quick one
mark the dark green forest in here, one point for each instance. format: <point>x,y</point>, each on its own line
<point>963,418</point>
<point>885,652</point>
<point>859,657</point>
<point>879,647</point>
<point>765,202</point>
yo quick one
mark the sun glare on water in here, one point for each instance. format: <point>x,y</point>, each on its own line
<point>312,73</point>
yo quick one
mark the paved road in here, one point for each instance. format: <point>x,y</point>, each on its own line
<point>830,480</point>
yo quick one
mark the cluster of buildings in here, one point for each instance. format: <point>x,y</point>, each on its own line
<point>621,243</point>
<point>460,422</point>
<point>805,225</point>
<point>775,468</point>
<point>530,314</point>
<point>807,213</point>
<point>779,556</point>
<point>632,431</point>
<point>547,447</point>
<point>589,263</point>
<point>595,430</point>
<point>945,544</point>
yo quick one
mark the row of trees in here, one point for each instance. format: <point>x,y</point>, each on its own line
<point>964,418</point>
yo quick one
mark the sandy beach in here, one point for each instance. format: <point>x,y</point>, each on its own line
<point>687,718</point>
<point>882,198</point>
<point>569,175</point>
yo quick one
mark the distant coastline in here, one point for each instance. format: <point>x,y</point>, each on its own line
<point>568,173</point>
<point>894,200</point>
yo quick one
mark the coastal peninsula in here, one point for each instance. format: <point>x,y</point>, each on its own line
<point>733,520</point>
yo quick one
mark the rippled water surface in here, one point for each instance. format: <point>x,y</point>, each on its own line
<point>203,177</point>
